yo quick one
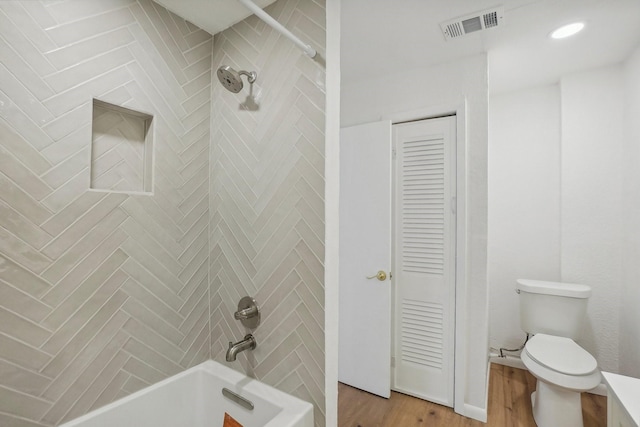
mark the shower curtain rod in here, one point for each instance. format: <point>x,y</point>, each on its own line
<point>311,52</point>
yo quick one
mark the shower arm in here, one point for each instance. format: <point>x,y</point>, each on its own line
<point>251,76</point>
<point>311,52</point>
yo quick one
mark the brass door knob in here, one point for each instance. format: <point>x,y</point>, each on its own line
<point>382,276</point>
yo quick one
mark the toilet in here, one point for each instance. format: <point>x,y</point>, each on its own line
<point>554,314</point>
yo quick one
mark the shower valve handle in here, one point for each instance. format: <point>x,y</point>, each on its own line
<point>248,313</point>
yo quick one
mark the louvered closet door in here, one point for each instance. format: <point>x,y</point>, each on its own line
<point>424,253</point>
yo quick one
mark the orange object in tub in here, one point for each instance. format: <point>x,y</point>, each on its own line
<point>230,422</point>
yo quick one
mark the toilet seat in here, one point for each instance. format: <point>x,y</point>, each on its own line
<point>547,356</point>
<point>561,354</point>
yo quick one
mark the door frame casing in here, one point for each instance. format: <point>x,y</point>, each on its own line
<point>460,341</point>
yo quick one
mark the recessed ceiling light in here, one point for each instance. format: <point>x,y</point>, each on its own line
<point>567,30</point>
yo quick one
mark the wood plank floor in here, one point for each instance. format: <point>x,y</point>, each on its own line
<point>509,406</point>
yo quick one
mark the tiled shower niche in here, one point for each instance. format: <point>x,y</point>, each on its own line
<point>121,149</point>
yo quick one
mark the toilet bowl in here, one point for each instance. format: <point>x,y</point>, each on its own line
<point>563,370</point>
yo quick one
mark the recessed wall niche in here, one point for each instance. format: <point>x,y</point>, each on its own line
<point>121,149</point>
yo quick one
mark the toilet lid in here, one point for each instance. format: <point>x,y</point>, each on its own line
<point>560,354</point>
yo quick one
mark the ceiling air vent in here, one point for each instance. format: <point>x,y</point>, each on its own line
<point>464,25</point>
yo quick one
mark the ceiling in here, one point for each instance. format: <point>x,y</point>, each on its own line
<point>386,36</point>
<point>211,15</point>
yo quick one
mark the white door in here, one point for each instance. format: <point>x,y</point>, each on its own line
<point>424,255</point>
<point>364,359</point>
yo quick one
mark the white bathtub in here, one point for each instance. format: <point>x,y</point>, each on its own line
<point>194,398</point>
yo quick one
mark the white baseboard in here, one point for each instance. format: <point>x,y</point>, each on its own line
<point>516,362</point>
<point>512,361</point>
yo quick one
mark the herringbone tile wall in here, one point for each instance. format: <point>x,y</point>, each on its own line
<point>100,293</point>
<point>267,200</point>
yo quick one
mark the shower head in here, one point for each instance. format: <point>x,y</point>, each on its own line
<point>231,79</point>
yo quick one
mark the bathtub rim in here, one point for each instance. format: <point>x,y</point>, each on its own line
<point>293,409</point>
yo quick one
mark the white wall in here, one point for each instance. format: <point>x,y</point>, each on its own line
<point>437,89</point>
<point>591,191</point>
<point>630,315</point>
<point>524,201</point>
<point>587,227</point>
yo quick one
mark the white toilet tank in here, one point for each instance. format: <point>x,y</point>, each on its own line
<point>552,308</point>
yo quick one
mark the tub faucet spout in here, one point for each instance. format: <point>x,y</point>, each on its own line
<point>248,343</point>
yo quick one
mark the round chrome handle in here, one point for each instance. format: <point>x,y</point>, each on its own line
<point>381,275</point>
